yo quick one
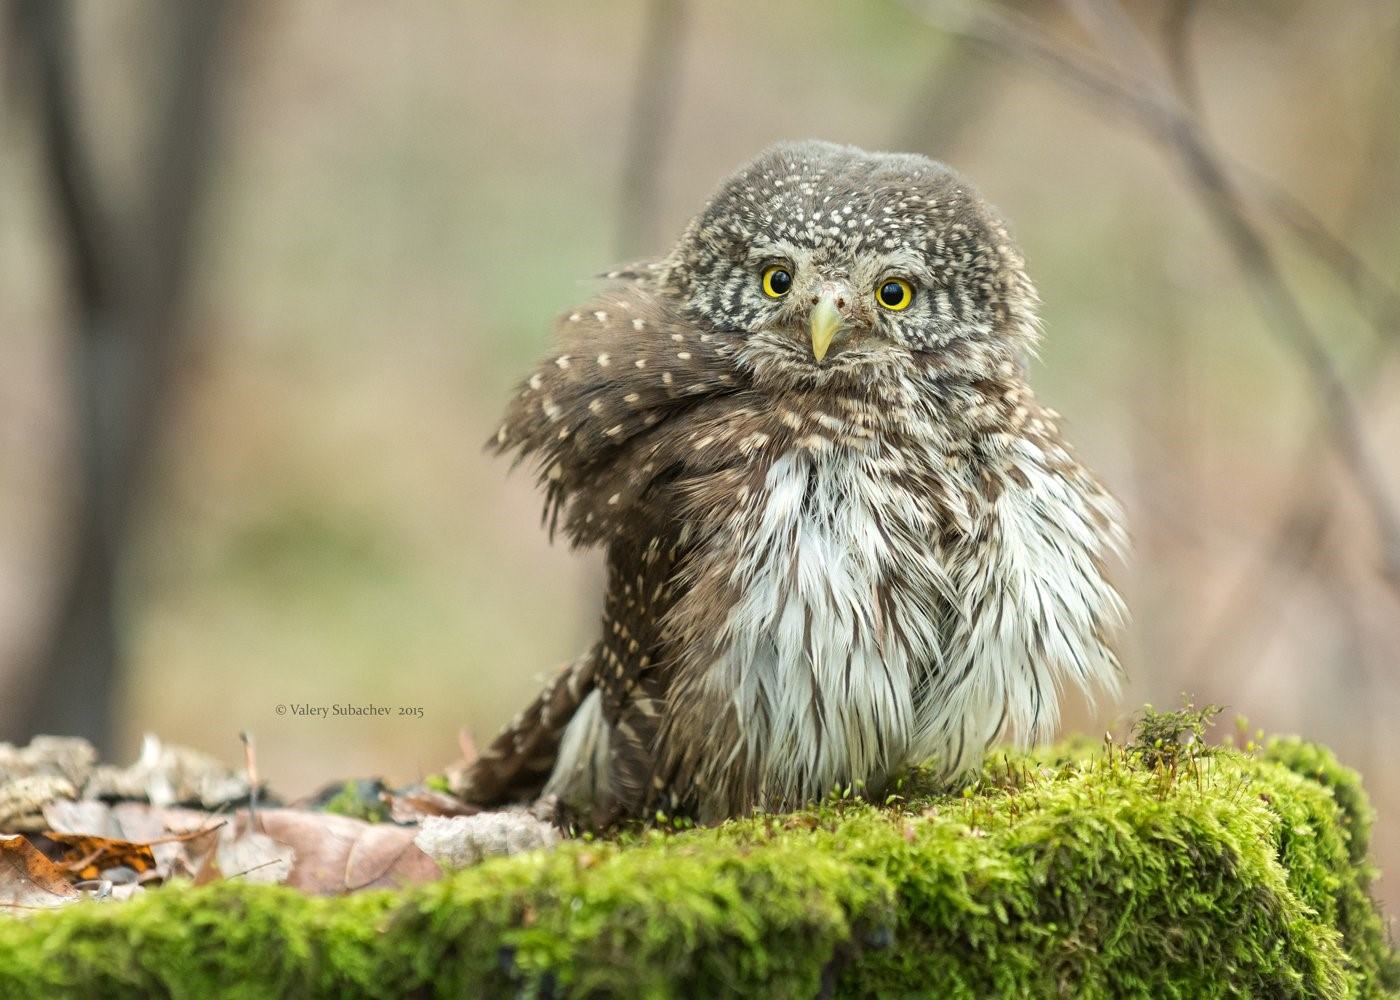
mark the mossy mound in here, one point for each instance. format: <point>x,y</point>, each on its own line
<point>1089,874</point>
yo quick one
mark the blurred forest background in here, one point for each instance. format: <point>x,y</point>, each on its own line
<point>269,271</point>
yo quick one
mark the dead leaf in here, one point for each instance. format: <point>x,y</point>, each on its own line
<point>29,881</point>
<point>337,854</point>
<point>179,839</point>
<point>85,857</point>
<point>208,870</point>
<point>256,857</point>
<point>87,817</point>
<point>417,803</point>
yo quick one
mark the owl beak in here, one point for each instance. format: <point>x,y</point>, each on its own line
<point>825,321</point>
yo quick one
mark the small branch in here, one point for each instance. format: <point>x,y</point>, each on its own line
<point>1176,43</point>
<point>250,766</point>
<point>1121,39</point>
<point>42,34</point>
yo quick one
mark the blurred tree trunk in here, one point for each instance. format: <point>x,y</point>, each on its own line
<point>655,94</point>
<point>126,277</point>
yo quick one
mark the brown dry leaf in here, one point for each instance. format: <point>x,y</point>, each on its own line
<point>417,803</point>
<point>139,821</point>
<point>29,881</point>
<point>208,870</point>
<point>179,839</point>
<point>86,817</point>
<point>337,854</point>
<point>256,857</point>
<point>85,857</point>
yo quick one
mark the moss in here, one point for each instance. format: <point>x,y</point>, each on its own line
<point>1345,897</point>
<point>358,799</point>
<point>1078,873</point>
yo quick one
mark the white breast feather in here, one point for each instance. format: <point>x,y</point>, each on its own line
<point>825,692</point>
<point>805,646</point>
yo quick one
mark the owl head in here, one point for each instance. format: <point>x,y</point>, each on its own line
<point>827,259</point>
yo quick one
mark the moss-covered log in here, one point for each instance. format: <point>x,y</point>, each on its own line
<point>1091,874</point>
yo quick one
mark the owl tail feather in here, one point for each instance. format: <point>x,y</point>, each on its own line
<point>519,761</point>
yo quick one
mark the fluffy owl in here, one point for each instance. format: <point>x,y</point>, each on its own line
<point>842,535</point>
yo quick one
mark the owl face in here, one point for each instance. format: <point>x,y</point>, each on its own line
<point>833,258</point>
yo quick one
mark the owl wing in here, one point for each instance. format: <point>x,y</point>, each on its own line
<point>684,477</point>
<point>601,419</point>
<point>626,362</point>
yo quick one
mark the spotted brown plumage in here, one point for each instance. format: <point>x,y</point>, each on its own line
<point>843,536</point>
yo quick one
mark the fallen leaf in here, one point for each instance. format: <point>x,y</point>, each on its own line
<point>179,839</point>
<point>338,854</point>
<point>256,857</point>
<point>208,870</point>
<point>87,817</point>
<point>85,857</point>
<point>29,881</point>
<point>417,803</point>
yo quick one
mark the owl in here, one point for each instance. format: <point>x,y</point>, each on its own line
<point>842,535</point>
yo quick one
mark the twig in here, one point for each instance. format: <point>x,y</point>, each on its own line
<point>250,764</point>
<point>1121,39</point>
<point>1365,284</point>
<point>1378,298</point>
<point>188,835</point>
<point>43,28</point>
<point>264,864</point>
<point>1176,43</point>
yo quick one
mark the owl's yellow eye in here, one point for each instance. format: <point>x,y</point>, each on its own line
<point>777,281</point>
<point>895,294</point>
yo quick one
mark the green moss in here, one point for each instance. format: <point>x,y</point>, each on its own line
<point>359,800</point>
<point>1078,873</point>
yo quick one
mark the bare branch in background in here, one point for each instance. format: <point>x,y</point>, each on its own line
<point>1379,301</point>
<point>1176,43</point>
<point>1164,116</point>
<point>127,268</point>
<point>1111,26</point>
<point>1377,298</point>
<point>654,97</point>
